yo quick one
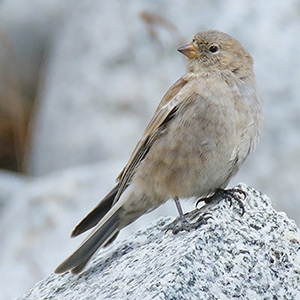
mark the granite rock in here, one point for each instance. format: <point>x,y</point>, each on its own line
<point>254,256</point>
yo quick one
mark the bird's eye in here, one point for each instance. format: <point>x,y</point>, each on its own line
<point>213,49</point>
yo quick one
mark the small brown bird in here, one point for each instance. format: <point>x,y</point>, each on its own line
<point>204,128</point>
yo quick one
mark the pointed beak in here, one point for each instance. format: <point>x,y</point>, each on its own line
<point>189,50</point>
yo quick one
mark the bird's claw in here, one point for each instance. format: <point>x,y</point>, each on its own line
<point>230,194</point>
<point>206,200</point>
<point>183,225</point>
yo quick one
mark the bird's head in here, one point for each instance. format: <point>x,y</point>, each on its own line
<point>216,51</point>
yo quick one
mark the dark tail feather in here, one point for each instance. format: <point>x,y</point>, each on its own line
<point>96,214</point>
<point>82,255</point>
<point>81,266</point>
<point>110,240</point>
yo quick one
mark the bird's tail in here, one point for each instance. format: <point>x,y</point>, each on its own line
<point>93,218</point>
<point>104,232</point>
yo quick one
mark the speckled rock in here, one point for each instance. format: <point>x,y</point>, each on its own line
<point>254,256</point>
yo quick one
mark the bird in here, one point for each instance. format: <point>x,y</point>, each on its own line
<point>201,133</point>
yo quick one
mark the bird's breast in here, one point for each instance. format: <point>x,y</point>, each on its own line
<point>194,154</point>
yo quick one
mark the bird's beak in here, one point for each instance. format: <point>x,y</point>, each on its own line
<point>189,50</point>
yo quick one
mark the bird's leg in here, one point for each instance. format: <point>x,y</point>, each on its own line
<point>185,225</point>
<point>181,224</point>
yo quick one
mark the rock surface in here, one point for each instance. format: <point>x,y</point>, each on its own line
<point>256,256</point>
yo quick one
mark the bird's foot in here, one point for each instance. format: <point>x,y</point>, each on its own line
<point>230,194</point>
<point>234,194</point>
<point>181,224</point>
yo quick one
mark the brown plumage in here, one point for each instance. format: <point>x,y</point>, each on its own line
<point>202,131</point>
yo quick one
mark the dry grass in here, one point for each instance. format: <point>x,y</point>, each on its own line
<point>14,110</point>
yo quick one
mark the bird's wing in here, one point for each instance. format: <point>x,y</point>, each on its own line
<point>163,114</point>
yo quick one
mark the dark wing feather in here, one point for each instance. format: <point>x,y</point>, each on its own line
<point>163,114</point>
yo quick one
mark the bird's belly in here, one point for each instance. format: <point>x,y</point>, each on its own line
<point>193,176</point>
<point>191,167</point>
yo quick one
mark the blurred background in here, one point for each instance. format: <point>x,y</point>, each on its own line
<point>79,80</point>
